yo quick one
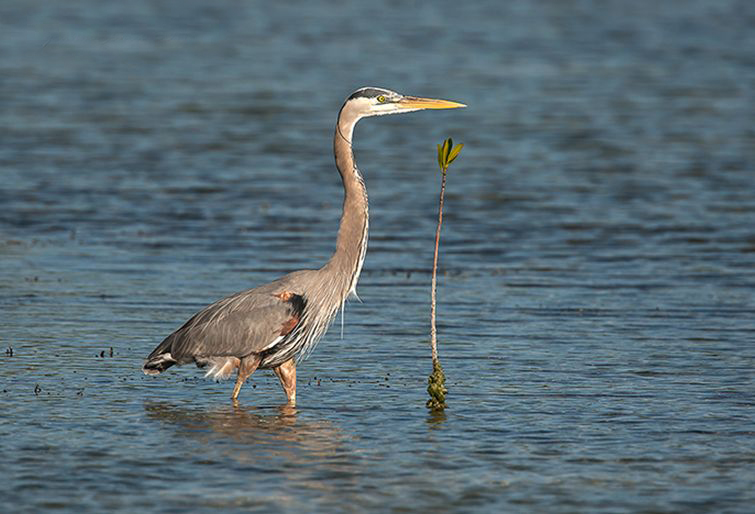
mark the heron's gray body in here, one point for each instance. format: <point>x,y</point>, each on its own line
<point>273,325</point>
<point>252,321</point>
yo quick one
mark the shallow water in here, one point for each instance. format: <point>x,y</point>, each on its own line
<point>597,296</point>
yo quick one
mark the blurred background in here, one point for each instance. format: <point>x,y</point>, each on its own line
<point>597,291</point>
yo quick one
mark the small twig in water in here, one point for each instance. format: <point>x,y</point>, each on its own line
<point>436,387</point>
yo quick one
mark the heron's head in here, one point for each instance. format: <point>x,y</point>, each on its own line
<point>375,101</point>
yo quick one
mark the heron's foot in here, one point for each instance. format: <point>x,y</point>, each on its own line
<point>287,375</point>
<point>247,366</point>
<point>287,412</point>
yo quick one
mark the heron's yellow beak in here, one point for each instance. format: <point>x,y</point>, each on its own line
<point>414,102</point>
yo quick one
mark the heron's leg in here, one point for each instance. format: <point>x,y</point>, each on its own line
<point>287,375</point>
<point>247,366</point>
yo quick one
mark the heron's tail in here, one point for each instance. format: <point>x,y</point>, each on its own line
<point>158,363</point>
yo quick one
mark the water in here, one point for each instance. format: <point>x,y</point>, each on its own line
<point>597,296</point>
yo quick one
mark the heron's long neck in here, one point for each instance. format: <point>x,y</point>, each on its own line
<point>345,265</point>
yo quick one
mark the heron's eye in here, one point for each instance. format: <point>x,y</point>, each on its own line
<point>381,99</point>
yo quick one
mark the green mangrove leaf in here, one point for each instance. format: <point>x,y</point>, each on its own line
<point>455,153</point>
<point>447,145</point>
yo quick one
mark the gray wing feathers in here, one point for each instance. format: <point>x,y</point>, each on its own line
<point>238,325</point>
<point>238,334</point>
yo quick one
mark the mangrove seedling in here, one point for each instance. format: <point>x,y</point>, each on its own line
<point>436,382</point>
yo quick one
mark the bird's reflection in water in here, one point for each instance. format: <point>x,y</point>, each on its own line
<point>250,426</point>
<point>309,453</point>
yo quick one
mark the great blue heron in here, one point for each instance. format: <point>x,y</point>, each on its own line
<point>273,325</point>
